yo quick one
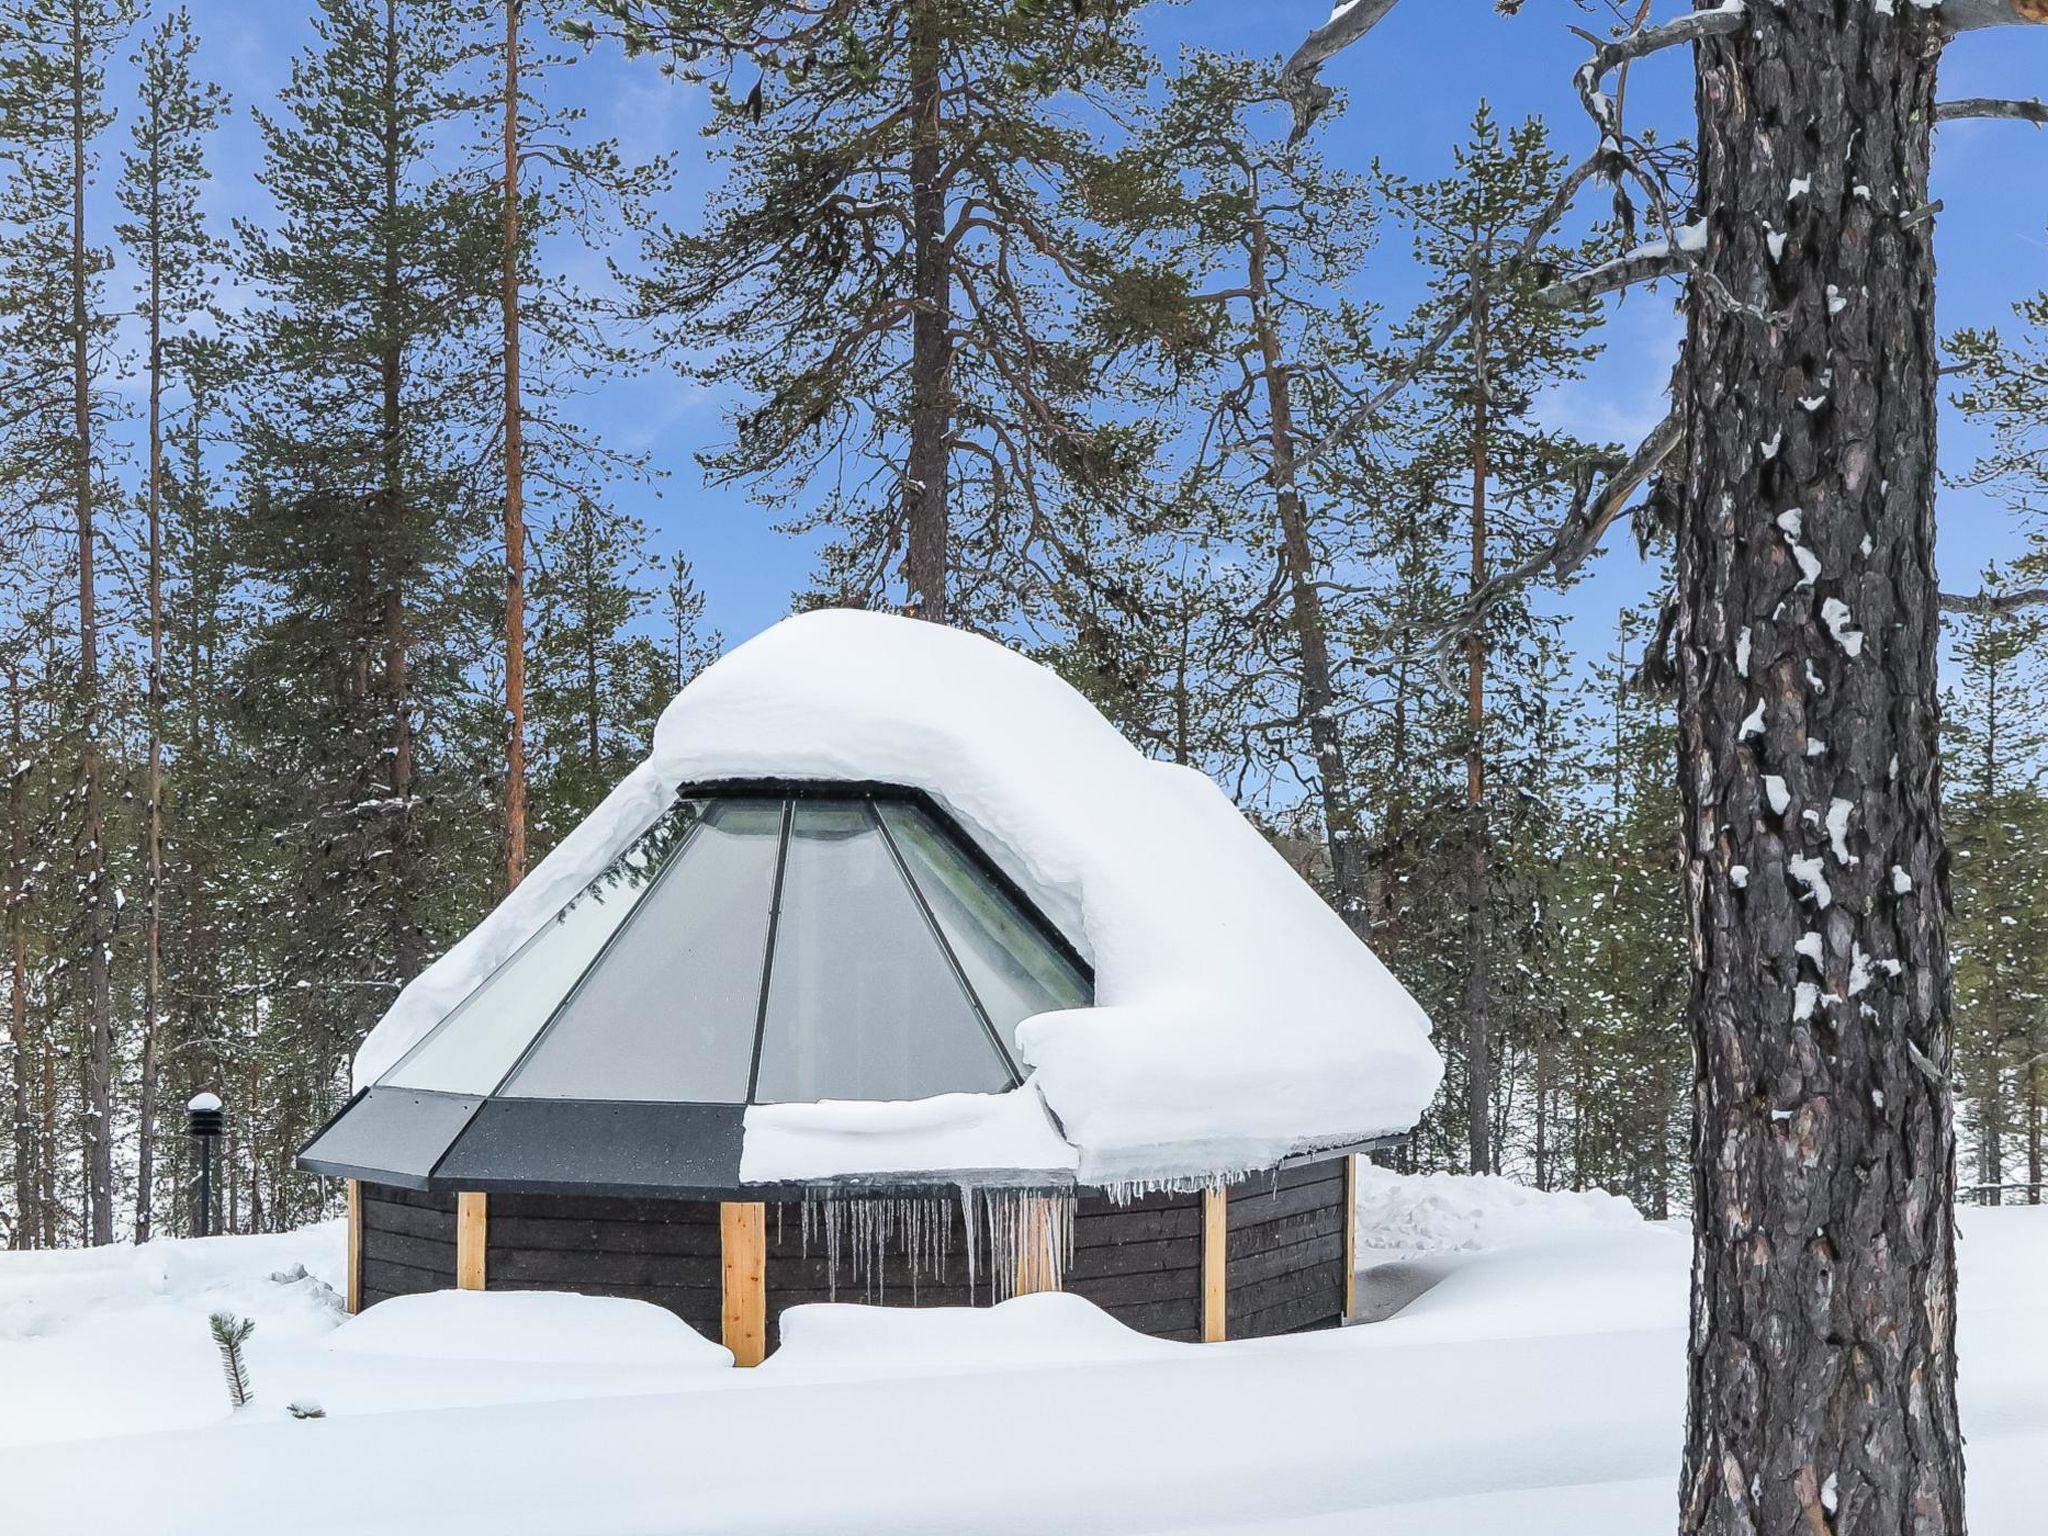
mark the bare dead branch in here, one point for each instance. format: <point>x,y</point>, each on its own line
<point>2035,111</point>
<point>1990,604</point>
<point>1609,54</point>
<point>1298,77</point>
<point>1643,266</point>
<point>1969,15</point>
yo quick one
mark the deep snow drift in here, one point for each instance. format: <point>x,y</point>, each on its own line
<point>1535,1388</point>
<point>1236,1018</point>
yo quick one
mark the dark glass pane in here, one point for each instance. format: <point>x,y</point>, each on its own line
<point>667,1013</point>
<point>472,1049</point>
<point>1014,969</point>
<point>862,1003</point>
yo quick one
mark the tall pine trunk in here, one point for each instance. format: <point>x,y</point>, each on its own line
<point>152,980</point>
<point>28,1220</point>
<point>927,559</point>
<point>1318,686</point>
<point>1478,854</point>
<point>515,479</point>
<point>1822,1366</point>
<point>99,910</point>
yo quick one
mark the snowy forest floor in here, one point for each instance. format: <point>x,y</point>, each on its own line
<point>1531,1381</point>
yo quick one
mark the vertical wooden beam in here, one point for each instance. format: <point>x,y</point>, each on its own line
<point>1350,1236</point>
<point>355,1247</point>
<point>472,1227</point>
<point>743,1240</point>
<point>1215,1264</point>
<point>1038,1246</point>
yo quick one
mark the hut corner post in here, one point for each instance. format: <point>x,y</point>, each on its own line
<point>1350,1237</point>
<point>355,1247</point>
<point>743,1242</point>
<point>472,1227</point>
<point>1215,1264</point>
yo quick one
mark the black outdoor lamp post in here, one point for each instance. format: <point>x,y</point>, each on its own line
<point>205,1120</point>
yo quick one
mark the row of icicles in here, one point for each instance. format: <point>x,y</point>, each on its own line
<point>1024,1237</point>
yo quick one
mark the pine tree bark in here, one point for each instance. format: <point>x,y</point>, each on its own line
<point>1479,854</point>
<point>28,1220</point>
<point>1822,1364</point>
<point>927,486</point>
<point>152,979</point>
<point>1318,685</point>
<point>99,1022</point>
<point>515,479</point>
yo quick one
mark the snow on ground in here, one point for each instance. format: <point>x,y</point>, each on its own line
<point>1534,1385</point>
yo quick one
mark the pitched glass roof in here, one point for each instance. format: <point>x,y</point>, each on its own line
<point>753,946</point>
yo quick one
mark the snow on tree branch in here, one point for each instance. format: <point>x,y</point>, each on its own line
<point>2035,111</point>
<point>1609,54</point>
<point>1645,264</point>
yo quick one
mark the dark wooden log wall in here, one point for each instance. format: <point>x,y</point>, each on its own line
<point>1285,1251</point>
<point>801,1271</point>
<point>1141,1263</point>
<point>663,1251</point>
<point>408,1243</point>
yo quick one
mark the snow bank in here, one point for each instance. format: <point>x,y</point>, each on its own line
<point>1236,1018</point>
<point>1414,1215</point>
<point>539,1327</point>
<point>1023,1332</point>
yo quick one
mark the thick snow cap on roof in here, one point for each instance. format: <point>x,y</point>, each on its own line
<point>1236,1021</point>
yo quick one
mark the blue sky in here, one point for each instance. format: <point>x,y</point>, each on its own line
<point>1412,90</point>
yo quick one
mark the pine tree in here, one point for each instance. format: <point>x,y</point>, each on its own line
<point>889,275</point>
<point>370,400</point>
<point>599,679</point>
<point>1505,474</point>
<point>691,647</point>
<point>161,180</point>
<point>52,110</point>
<point>1995,751</point>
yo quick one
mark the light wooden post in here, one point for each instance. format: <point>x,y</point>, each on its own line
<point>1215,1264</point>
<point>355,1247</point>
<point>743,1240</point>
<point>1038,1247</point>
<point>472,1229</point>
<point>1350,1236</point>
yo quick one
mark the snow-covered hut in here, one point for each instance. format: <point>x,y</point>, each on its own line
<point>895,973</point>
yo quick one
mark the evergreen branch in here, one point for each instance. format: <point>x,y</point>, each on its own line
<point>229,1335</point>
<point>2034,111</point>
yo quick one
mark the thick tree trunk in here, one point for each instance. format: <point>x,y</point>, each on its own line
<point>927,489</point>
<point>1318,690</point>
<point>1479,853</point>
<point>515,479</point>
<point>1822,1394</point>
<point>99,907</point>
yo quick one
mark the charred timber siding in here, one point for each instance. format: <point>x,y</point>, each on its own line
<point>663,1251</point>
<point>800,1269</point>
<point>408,1242</point>
<point>1285,1251</point>
<point>1141,1263</point>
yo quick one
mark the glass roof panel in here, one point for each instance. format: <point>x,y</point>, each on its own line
<point>862,1001</point>
<point>1014,968</point>
<point>667,1012</point>
<point>472,1049</point>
